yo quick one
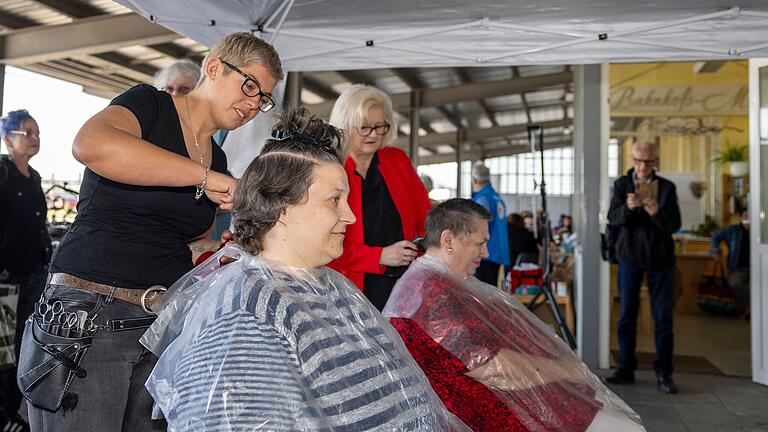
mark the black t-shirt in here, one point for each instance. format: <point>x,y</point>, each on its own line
<point>24,242</point>
<point>136,236</point>
<point>382,226</point>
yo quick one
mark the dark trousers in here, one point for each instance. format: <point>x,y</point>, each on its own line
<point>488,272</point>
<point>30,287</point>
<point>661,289</point>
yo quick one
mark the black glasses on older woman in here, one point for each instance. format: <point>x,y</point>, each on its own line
<point>381,129</point>
<point>251,88</point>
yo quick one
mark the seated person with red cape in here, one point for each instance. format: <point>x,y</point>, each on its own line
<point>493,363</point>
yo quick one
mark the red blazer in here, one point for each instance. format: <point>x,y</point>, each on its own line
<point>412,203</point>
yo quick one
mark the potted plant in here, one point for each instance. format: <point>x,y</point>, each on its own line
<point>736,158</point>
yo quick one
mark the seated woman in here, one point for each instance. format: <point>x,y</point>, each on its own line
<point>492,362</point>
<point>275,341</point>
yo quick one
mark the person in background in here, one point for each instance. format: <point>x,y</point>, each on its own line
<point>565,226</point>
<point>492,362</point>
<point>386,195</point>
<point>151,187</point>
<point>644,226</point>
<point>527,216</point>
<point>276,341</point>
<point>520,239</point>
<point>25,247</point>
<point>736,237</point>
<point>498,246</point>
<point>179,78</point>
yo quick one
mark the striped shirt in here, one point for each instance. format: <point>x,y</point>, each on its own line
<point>291,351</point>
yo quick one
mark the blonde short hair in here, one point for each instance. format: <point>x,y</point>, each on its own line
<point>350,111</point>
<point>242,48</point>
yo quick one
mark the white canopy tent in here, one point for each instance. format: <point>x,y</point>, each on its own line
<point>339,35</point>
<point>348,34</point>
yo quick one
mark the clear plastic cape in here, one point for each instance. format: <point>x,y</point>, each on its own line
<point>469,335</point>
<point>259,346</point>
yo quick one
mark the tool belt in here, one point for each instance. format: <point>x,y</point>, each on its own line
<point>52,353</point>
<point>144,298</point>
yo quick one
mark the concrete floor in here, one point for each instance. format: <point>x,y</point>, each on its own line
<point>706,403</point>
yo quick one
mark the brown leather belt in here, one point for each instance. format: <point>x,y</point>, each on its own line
<point>144,298</point>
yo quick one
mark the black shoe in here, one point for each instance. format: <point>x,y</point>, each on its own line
<point>667,384</point>
<point>621,377</point>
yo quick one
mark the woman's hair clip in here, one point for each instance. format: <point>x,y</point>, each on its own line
<point>281,135</point>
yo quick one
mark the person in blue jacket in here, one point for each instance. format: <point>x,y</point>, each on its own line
<point>498,245</point>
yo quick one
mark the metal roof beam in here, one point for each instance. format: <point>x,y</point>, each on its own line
<point>475,154</point>
<point>465,92</point>
<point>71,8</point>
<point>80,37</point>
<point>318,87</point>
<point>410,77</point>
<point>480,134</point>
<point>177,52</point>
<point>13,21</point>
<point>465,78</point>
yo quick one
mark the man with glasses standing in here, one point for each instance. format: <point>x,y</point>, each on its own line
<point>644,214</point>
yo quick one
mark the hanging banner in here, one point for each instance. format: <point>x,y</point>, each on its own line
<point>631,101</point>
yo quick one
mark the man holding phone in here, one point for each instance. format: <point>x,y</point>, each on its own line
<point>644,214</point>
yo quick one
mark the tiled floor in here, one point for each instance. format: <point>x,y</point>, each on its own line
<point>706,403</point>
<point>725,342</point>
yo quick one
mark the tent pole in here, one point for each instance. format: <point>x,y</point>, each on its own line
<point>286,11</point>
<point>415,122</point>
<point>293,89</point>
<point>459,141</point>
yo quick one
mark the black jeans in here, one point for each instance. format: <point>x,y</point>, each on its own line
<point>661,287</point>
<point>112,396</point>
<point>30,287</point>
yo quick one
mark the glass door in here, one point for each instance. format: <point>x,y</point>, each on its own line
<point>758,151</point>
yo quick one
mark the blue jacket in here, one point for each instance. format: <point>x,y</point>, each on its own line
<point>498,245</point>
<point>732,236</point>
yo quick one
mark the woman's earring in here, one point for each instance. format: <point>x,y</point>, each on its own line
<point>449,250</point>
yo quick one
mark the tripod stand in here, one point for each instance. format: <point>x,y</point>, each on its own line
<point>546,289</point>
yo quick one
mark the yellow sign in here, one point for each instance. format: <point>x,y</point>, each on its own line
<point>679,100</point>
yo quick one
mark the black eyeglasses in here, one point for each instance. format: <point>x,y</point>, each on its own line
<point>381,129</point>
<point>644,161</point>
<point>251,88</point>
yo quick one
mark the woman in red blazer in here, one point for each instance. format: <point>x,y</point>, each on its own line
<point>386,195</point>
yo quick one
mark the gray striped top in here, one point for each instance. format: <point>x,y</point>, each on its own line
<point>291,350</point>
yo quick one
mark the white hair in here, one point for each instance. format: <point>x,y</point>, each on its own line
<point>180,69</point>
<point>351,110</point>
<point>481,173</point>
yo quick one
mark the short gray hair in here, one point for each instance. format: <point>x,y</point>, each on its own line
<point>181,68</point>
<point>242,48</point>
<point>646,145</point>
<point>456,215</point>
<point>481,173</point>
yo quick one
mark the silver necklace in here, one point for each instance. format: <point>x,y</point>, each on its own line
<point>194,133</point>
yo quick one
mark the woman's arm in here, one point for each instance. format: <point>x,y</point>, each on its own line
<point>110,144</point>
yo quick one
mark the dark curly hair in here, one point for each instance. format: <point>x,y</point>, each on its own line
<point>281,175</point>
